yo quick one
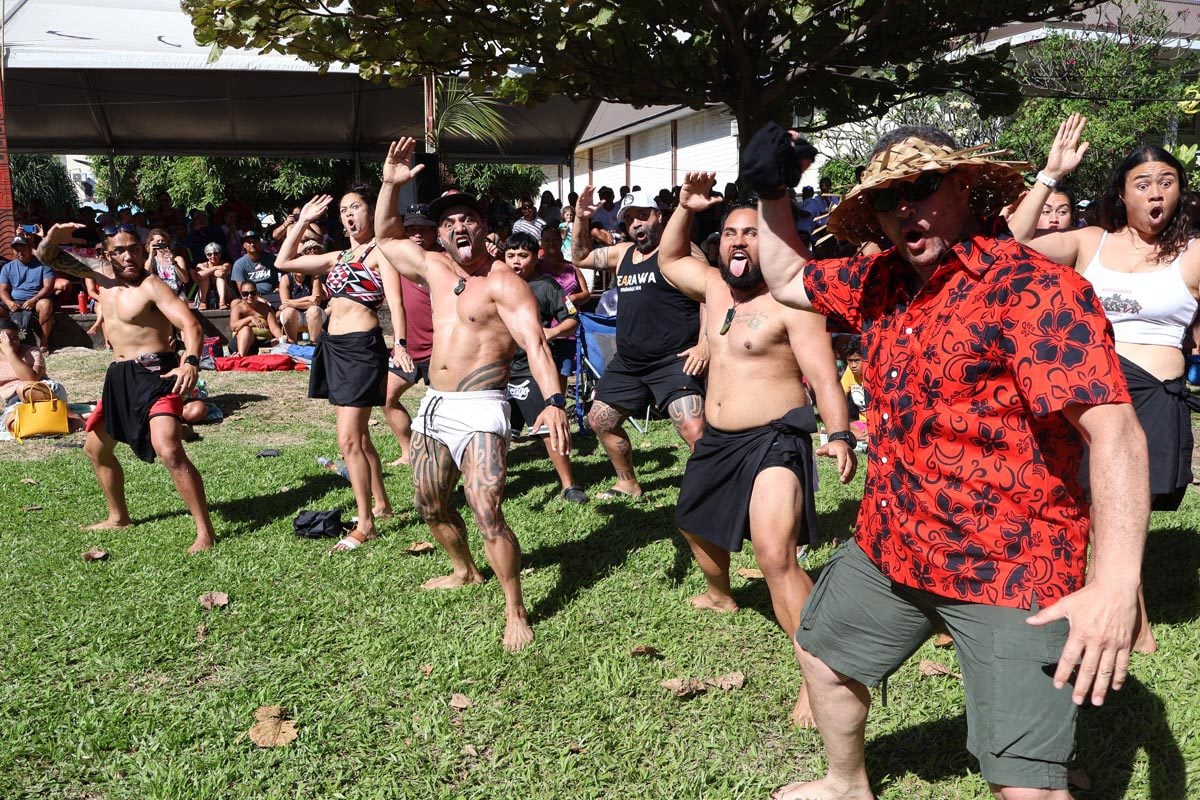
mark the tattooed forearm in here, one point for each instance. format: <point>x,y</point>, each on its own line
<point>489,376</point>
<point>581,244</point>
<point>59,261</point>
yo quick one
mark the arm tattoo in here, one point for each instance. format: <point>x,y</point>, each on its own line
<point>489,376</point>
<point>60,261</point>
<point>600,258</point>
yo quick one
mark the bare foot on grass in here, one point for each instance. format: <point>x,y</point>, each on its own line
<point>710,602</point>
<point>820,790</point>
<point>517,633</point>
<point>802,716</point>
<point>402,461</point>
<point>202,543</point>
<point>382,513</point>
<point>1145,642</point>
<point>110,525</point>
<point>454,581</point>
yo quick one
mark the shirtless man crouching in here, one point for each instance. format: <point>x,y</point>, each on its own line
<point>751,474</point>
<point>480,315</point>
<point>142,400</point>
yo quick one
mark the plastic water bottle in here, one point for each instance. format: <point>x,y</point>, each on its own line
<point>337,466</point>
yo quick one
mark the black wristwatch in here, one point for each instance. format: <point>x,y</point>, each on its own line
<point>192,361</point>
<point>556,400</point>
<point>401,343</point>
<point>844,436</point>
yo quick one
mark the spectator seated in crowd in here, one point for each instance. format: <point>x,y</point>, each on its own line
<point>213,273</point>
<point>26,289</point>
<point>252,321</point>
<point>170,268</point>
<point>21,365</point>
<point>302,300</point>
<point>258,267</point>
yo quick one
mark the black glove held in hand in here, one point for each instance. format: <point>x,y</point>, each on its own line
<point>771,161</point>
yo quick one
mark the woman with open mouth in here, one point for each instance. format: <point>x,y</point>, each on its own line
<point>349,366</point>
<point>1146,274</point>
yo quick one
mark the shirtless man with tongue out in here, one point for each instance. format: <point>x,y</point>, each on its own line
<point>751,474</point>
<point>480,315</point>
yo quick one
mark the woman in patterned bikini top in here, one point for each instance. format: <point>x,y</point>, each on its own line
<point>349,367</point>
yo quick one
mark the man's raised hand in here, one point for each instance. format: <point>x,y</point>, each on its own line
<point>584,206</point>
<point>64,233</point>
<point>695,194</point>
<point>397,167</point>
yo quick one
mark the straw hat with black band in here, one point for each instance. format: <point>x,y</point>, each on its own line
<point>995,183</point>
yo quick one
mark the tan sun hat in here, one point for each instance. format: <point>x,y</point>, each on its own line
<point>996,183</point>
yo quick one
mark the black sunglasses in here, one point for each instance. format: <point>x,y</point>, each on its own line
<point>124,227</point>
<point>884,200</point>
<point>251,293</point>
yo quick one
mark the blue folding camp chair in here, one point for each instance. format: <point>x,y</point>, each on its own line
<point>595,346</point>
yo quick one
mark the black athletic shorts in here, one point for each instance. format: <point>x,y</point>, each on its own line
<point>629,389</point>
<point>525,402</point>
<point>420,372</point>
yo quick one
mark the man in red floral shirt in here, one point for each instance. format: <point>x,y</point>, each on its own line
<point>989,368</point>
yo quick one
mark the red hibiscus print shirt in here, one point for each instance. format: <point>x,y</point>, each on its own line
<point>972,489</point>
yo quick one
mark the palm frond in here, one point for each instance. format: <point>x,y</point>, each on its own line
<point>463,113</point>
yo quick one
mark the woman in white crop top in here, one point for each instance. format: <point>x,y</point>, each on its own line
<point>1145,268</point>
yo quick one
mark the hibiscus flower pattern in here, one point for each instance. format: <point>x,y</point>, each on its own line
<point>972,488</point>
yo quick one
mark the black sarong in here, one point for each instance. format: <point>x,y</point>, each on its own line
<point>131,389</point>
<point>350,369</point>
<point>714,498</point>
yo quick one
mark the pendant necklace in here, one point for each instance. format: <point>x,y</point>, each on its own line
<point>730,314</point>
<point>461,286</point>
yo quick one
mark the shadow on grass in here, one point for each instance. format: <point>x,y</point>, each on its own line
<point>1170,572</point>
<point>529,468</point>
<point>583,562</point>
<point>233,401</point>
<point>1108,741</point>
<point>242,515</point>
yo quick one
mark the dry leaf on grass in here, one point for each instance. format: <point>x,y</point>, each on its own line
<point>460,702</point>
<point>95,554</point>
<point>201,632</point>
<point>644,650</point>
<point>469,750</point>
<point>211,600</point>
<point>734,680</point>
<point>684,687</point>
<point>943,640</point>
<point>31,508</point>
<point>932,669</point>
<point>417,548</point>
<point>29,481</point>
<point>750,574</point>
<point>427,669</point>
<point>576,749</point>
<point>527,571</point>
<point>272,729</point>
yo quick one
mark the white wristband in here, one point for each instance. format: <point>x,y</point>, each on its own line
<point>1047,180</point>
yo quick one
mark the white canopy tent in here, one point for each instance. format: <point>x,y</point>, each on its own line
<point>126,77</point>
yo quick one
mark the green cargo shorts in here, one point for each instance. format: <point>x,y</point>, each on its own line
<point>1019,726</point>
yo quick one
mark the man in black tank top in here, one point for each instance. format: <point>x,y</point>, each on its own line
<point>661,351</point>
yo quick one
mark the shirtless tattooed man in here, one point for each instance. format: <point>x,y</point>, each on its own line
<point>480,315</point>
<point>142,402</point>
<point>751,474</point>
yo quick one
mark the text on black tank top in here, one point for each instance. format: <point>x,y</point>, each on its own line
<point>654,319</point>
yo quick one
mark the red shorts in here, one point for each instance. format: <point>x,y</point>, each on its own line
<point>168,405</point>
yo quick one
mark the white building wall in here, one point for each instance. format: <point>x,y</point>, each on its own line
<point>708,141</point>
<point>650,159</point>
<point>608,164</point>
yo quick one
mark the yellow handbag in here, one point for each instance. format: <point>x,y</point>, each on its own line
<point>39,413</point>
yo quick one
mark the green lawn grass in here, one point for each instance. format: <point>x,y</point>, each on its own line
<point>115,683</point>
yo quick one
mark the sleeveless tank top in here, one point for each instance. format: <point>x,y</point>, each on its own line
<point>654,319</point>
<point>1143,307</point>
<point>356,280</point>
